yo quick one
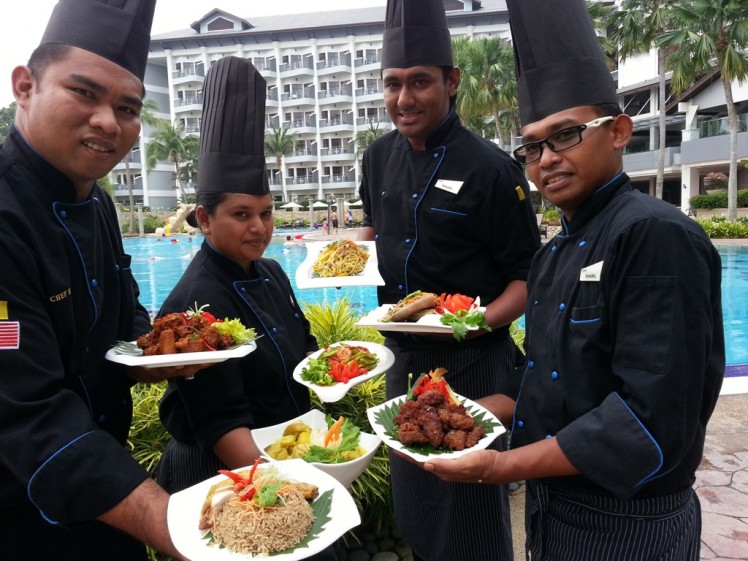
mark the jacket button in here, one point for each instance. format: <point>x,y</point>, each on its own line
<point>531,364</point>
<point>94,282</point>
<point>415,195</point>
<point>63,214</point>
<point>400,287</point>
<point>554,375</point>
<point>521,424</point>
<point>553,249</point>
<point>407,240</point>
<point>275,330</point>
<point>582,243</point>
<point>562,307</point>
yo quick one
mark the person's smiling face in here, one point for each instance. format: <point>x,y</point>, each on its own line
<point>568,177</point>
<point>417,99</point>
<point>241,227</point>
<point>82,114</point>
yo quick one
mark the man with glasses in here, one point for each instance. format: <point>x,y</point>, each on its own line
<point>625,350</point>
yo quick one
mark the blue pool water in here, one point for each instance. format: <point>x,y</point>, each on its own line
<point>158,264</point>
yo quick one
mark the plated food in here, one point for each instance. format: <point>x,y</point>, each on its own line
<point>330,372</point>
<point>193,331</point>
<point>342,451</point>
<point>427,312</point>
<point>412,307</point>
<point>191,337</point>
<point>339,263</point>
<point>258,511</point>
<point>242,526</point>
<point>433,421</point>
<point>338,363</point>
<point>341,258</point>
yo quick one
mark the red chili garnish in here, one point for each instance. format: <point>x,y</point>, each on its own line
<point>453,303</point>
<point>251,492</point>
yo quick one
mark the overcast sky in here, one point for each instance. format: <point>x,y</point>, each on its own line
<point>24,21</point>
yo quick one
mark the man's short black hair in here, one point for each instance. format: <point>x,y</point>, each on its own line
<point>45,55</point>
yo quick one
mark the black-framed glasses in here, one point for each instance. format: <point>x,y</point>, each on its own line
<point>558,141</point>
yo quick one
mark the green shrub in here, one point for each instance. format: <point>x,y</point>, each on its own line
<point>552,217</point>
<point>719,228</point>
<point>148,437</point>
<point>718,200</point>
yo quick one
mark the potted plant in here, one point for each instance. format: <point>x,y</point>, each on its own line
<point>715,182</point>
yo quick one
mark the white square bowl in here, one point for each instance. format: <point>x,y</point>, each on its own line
<point>347,472</point>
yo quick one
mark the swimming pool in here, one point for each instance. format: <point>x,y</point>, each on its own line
<point>158,263</point>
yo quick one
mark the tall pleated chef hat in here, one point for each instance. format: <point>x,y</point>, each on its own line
<point>118,30</point>
<point>232,134</point>
<point>416,34</point>
<point>558,60</point>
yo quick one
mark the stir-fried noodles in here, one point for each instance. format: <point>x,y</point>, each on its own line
<point>341,258</point>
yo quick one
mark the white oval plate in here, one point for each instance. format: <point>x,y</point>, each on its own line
<point>346,472</point>
<point>183,516</point>
<point>374,414</point>
<point>180,359</point>
<point>368,277</point>
<point>336,391</point>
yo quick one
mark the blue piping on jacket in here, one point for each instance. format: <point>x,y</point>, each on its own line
<point>659,450</point>
<point>41,467</point>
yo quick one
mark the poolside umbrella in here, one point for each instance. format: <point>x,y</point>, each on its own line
<point>292,206</point>
<point>355,203</point>
<point>319,204</point>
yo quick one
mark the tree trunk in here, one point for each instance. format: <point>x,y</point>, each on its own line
<point>181,198</point>
<point>128,179</point>
<point>732,179</point>
<point>663,130</point>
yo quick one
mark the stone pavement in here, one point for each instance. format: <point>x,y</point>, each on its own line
<point>722,482</point>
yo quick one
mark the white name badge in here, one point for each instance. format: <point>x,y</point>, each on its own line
<point>449,185</point>
<point>592,273</point>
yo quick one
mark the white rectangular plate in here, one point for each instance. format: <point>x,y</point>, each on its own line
<point>472,407</point>
<point>430,323</point>
<point>180,359</point>
<point>368,277</point>
<point>336,392</point>
<point>183,516</point>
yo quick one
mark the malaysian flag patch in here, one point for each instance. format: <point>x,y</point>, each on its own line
<point>10,335</point>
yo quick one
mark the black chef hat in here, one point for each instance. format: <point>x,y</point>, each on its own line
<point>232,134</point>
<point>416,34</point>
<point>559,63</point>
<point>118,30</point>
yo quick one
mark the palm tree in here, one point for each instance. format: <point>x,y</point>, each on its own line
<point>636,28</point>
<point>279,143</point>
<point>366,137</point>
<point>169,142</point>
<point>709,34</point>
<point>147,116</point>
<point>488,86</point>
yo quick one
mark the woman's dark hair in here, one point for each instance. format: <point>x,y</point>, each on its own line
<point>209,200</point>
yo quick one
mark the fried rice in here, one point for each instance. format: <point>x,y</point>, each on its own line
<point>245,527</point>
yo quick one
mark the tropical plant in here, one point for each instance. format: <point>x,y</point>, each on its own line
<point>371,491</point>
<point>147,116</point>
<point>366,137</point>
<point>7,117</point>
<point>279,142</point>
<point>148,437</point>
<point>708,35</point>
<point>720,228</point>
<point>488,88</point>
<point>170,142</point>
<point>715,180</point>
<point>636,28</point>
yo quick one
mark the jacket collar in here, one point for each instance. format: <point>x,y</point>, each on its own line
<point>595,203</point>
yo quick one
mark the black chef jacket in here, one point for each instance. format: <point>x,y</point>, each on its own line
<point>455,218</point>
<point>66,295</point>
<point>625,345</point>
<point>257,390</point>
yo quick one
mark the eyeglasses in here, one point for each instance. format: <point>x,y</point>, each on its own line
<point>558,141</point>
